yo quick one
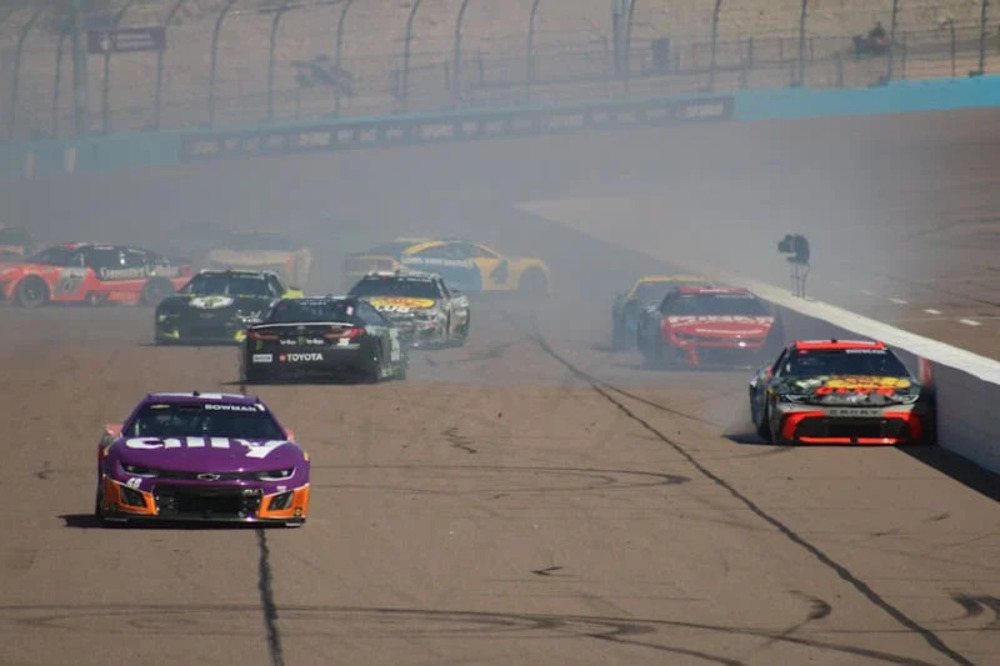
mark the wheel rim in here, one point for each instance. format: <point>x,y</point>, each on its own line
<point>32,291</point>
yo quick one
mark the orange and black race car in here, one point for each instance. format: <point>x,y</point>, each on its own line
<point>841,392</point>
<point>90,273</point>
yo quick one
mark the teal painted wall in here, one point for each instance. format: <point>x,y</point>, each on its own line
<point>125,151</point>
<point>897,97</point>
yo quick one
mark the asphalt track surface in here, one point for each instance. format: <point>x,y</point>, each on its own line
<point>529,498</point>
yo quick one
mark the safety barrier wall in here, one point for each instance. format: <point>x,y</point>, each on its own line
<point>125,151</point>
<point>965,424</point>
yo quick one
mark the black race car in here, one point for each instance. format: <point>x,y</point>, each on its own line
<point>215,307</point>
<point>332,335</point>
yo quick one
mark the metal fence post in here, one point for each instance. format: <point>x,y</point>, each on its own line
<point>456,87</point>
<point>800,79</point>
<point>715,42</point>
<point>338,53</point>
<point>628,41</point>
<point>158,91</point>
<point>15,80</point>
<point>893,23</point>
<point>529,66</point>
<point>270,57</point>
<point>81,99</point>
<point>63,34</point>
<point>212,64</point>
<point>983,14</point>
<point>106,82</point>
<point>404,91</point>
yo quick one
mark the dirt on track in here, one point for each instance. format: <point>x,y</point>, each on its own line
<point>530,498</point>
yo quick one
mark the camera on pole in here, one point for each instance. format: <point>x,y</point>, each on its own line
<point>797,248</point>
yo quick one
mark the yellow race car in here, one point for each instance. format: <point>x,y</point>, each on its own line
<point>263,251</point>
<point>647,291</point>
<point>465,265</point>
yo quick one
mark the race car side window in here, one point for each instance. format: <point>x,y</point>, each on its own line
<point>79,259</point>
<point>443,288</point>
<point>370,316</point>
<point>137,258</point>
<point>99,258</point>
<point>776,367</point>
<point>474,250</point>
<point>275,285</point>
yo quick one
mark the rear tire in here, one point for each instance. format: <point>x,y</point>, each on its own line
<point>31,292</point>
<point>533,284</point>
<point>155,290</point>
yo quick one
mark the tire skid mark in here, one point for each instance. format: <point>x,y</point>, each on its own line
<point>303,620</point>
<point>270,609</point>
<point>579,479</point>
<point>931,638</point>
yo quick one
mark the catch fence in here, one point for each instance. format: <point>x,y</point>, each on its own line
<point>159,65</point>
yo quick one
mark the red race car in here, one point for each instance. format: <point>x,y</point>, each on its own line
<point>90,273</point>
<point>695,326</point>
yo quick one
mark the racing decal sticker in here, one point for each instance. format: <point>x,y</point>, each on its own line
<point>123,273</point>
<point>301,357</point>
<point>862,384</point>
<point>70,280</point>
<point>234,408</point>
<point>401,305</point>
<point>211,302</point>
<point>263,358</point>
<point>255,448</point>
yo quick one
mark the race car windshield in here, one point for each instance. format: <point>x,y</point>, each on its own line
<point>305,310</point>
<point>878,362</point>
<point>204,285</point>
<point>53,256</point>
<point>715,304</point>
<point>394,287</point>
<point>206,420</point>
<point>651,293</point>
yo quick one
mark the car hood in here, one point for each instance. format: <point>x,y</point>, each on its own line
<point>870,390</point>
<point>210,454</point>
<point>249,257</point>
<point>212,302</point>
<point>723,326</point>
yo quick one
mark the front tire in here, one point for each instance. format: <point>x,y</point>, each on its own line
<point>31,292</point>
<point>374,369</point>
<point>155,290</point>
<point>763,427</point>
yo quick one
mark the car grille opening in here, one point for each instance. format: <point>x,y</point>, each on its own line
<point>207,503</point>
<point>877,428</point>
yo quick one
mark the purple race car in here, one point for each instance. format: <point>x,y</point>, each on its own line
<point>201,456</point>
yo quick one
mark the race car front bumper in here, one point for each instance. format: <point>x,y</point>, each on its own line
<point>227,503</point>
<point>899,424</point>
<point>219,331</point>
